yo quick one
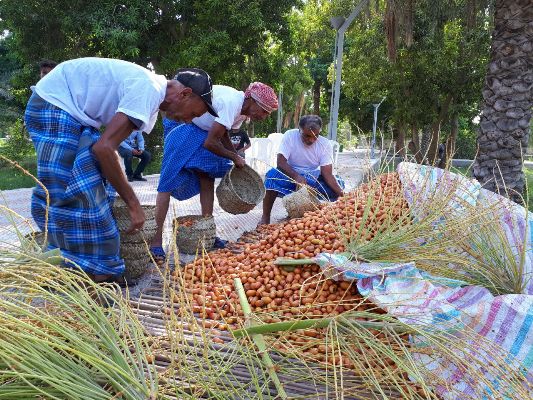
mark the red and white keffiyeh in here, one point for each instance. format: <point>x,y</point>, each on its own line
<point>263,94</point>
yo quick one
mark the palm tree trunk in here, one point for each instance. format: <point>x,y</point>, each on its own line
<point>298,109</point>
<point>414,145</point>
<point>507,96</point>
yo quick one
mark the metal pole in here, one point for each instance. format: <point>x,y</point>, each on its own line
<point>334,116</point>
<point>330,130</point>
<point>280,113</point>
<point>372,153</point>
<point>374,126</point>
<point>337,85</point>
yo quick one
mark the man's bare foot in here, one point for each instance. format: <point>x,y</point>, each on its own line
<point>264,221</point>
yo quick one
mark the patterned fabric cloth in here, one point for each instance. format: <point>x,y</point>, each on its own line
<point>183,155</point>
<point>263,94</point>
<point>502,324</point>
<point>284,185</point>
<point>80,218</point>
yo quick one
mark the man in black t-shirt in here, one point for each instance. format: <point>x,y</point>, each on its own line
<point>240,141</point>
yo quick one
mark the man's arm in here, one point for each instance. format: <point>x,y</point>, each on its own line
<point>217,143</point>
<point>284,166</point>
<point>327,173</point>
<point>104,150</point>
<point>246,147</point>
<point>226,142</point>
<point>140,140</point>
<point>125,145</point>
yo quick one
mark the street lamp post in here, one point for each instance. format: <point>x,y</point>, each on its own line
<point>280,108</point>
<point>340,25</point>
<point>376,106</point>
<point>336,23</point>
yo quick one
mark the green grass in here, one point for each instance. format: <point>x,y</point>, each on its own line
<point>155,165</point>
<point>13,178</point>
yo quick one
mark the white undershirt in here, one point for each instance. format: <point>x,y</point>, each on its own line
<point>302,158</point>
<point>93,90</point>
<point>227,102</point>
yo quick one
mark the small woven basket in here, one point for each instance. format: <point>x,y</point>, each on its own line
<point>136,259</point>
<point>300,201</point>
<point>240,190</point>
<point>194,232</point>
<point>122,215</point>
<point>133,247</point>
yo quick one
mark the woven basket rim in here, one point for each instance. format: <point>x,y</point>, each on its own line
<point>311,201</point>
<point>250,172</point>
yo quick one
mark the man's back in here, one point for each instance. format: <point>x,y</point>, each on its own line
<point>93,89</point>
<point>227,102</point>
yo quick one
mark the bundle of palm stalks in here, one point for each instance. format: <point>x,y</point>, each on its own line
<point>63,336</point>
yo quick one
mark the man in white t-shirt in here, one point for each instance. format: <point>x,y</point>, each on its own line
<point>75,163</point>
<point>195,154</point>
<point>304,158</point>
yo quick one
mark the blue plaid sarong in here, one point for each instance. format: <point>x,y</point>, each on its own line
<point>284,185</point>
<point>183,154</point>
<point>80,218</point>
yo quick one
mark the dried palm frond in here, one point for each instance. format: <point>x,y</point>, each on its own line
<point>65,337</point>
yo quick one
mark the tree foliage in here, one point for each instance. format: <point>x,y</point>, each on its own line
<point>235,42</point>
<point>439,49</point>
<point>435,74</point>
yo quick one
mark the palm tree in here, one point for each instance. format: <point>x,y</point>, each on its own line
<point>507,100</point>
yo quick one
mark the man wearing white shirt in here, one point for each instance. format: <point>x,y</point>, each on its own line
<point>195,154</point>
<point>304,158</point>
<point>75,163</point>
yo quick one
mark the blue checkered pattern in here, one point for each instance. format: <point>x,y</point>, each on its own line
<point>183,155</point>
<point>284,185</point>
<point>80,219</point>
<point>169,125</point>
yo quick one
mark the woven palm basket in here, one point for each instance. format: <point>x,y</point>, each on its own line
<point>194,232</point>
<point>300,201</point>
<point>120,211</point>
<point>240,190</point>
<point>136,259</point>
<point>133,246</point>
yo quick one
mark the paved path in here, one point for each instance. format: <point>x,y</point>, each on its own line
<point>15,204</point>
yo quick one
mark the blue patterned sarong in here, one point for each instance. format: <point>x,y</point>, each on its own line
<point>184,154</point>
<point>80,218</point>
<point>284,185</point>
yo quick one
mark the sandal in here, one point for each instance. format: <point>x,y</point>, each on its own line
<point>158,254</point>
<point>219,243</point>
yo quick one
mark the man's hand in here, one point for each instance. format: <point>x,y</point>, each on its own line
<point>137,217</point>
<point>300,180</point>
<point>239,162</point>
<point>104,151</point>
<point>137,152</point>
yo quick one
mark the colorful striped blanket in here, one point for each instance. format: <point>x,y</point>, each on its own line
<point>495,327</point>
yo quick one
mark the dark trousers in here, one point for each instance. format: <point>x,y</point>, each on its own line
<point>127,155</point>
